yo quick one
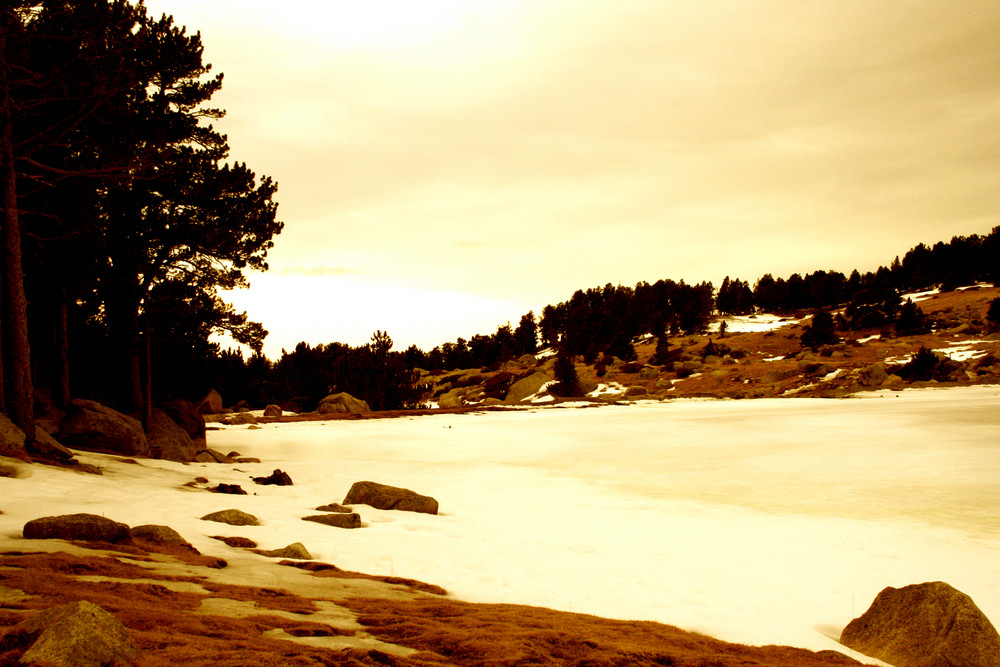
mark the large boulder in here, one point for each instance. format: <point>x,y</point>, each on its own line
<point>79,634</point>
<point>82,527</point>
<point>272,411</point>
<point>97,428</point>
<point>11,437</point>
<point>162,535</point>
<point>925,625</point>
<point>385,497</point>
<point>526,387</point>
<point>453,399</point>
<point>342,403</point>
<point>168,440</point>
<point>295,550</point>
<point>186,415</point>
<point>47,446</point>
<point>211,403</point>
<point>873,376</point>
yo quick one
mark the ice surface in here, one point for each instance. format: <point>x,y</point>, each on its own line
<point>764,521</point>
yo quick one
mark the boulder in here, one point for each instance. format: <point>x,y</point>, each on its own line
<point>213,456</point>
<point>453,399</point>
<point>272,411</point>
<point>925,625</point>
<point>164,535</point>
<point>635,391</point>
<point>527,360</point>
<point>873,376</point>
<point>97,428</point>
<point>233,517</point>
<point>168,440</point>
<point>649,373</point>
<point>47,447</point>
<point>276,478</point>
<point>79,634</point>
<point>342,402</point>
<point>11,437</point>
<point>186,415</point>
<point>240,418</point>
<point>779,374</point>
<point>211,404</point>
<point>385,497</point>
<point>296,550</point>
<point>336,520</point>
<point>526,387</point>
<point>82,527</point>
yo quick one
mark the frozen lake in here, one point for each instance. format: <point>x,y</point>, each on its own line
<point>772,521</point>
<point>765,521</point>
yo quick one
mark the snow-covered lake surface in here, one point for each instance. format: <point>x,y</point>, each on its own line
<point>772,521</point>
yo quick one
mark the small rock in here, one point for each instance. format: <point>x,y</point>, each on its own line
<point>83,527</point>
<point>334,507</point>
<point>248,459</point>
<point>236,542</point>
<point>296,550</point>
<point>336,520</point>
<point>233,517</point>
<point>277,478</point>
<point>232,489</point>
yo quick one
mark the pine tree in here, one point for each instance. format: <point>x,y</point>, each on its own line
<point>820,332</point>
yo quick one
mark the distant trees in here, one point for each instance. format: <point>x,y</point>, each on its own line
<point>820,331</point>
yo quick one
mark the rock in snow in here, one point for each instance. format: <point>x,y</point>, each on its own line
<point>84,527</point>
<point>336,519</point>
<point>233,517</point>
<point>385,497</point>
<point>925,625</point>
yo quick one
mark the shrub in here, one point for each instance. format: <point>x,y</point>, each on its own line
<point>993,314</point>
<point>911,320</point>
<point>820,332</point>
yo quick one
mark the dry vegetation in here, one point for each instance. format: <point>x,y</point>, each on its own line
<point>171,620</point>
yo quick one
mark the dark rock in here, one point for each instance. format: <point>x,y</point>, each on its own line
<point>240,418</point>
<point>94,427</point>
<point>925,625</point>
<point>336,520</point>
<point>277,478</point>
<point>272,411</point>
<point>45,446</point>
<point>296,550</point>
<point>334,507</point>
<point>185,414</point>
<point>873,376</point>
<point>385,497</point>
<point>79,634</point>
<point>168,440</point>
<point>11,437</point>
<point>211,404</point>
<point>83,527</point>
<point>231,489</point>
<point>247,459</point>
<point>233,517</point>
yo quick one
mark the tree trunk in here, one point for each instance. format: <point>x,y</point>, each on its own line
<point>60,375</point>
<point>18,391</point>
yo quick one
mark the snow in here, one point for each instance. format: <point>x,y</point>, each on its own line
<point>760,521</point>
<point>757,323</point>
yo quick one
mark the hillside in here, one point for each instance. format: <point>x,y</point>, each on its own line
<point>760,356</point>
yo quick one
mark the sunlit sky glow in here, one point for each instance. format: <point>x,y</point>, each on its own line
<point>444,167</point>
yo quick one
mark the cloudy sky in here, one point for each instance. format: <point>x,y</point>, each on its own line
<point>444,166</point>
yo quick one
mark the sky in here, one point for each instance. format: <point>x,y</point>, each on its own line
<point>446,166</point>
